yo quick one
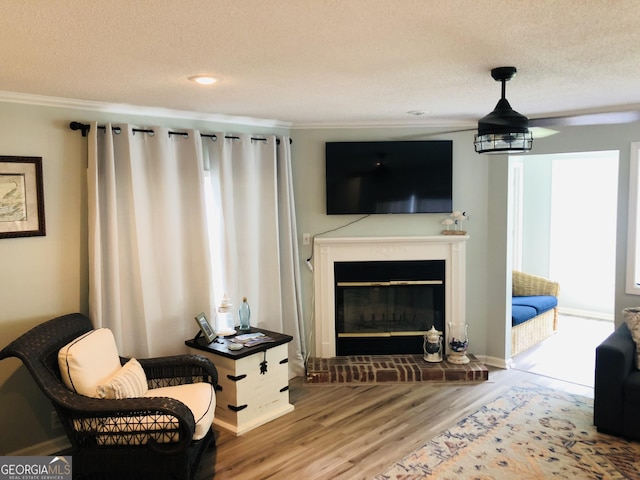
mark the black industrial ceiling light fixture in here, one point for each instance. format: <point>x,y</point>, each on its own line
<point>504,130</point>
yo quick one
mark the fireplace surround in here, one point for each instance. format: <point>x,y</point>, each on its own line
<point>331,250</point>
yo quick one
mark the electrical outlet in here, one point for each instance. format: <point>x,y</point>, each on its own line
<point>306,238</point>
<point>55,421</point>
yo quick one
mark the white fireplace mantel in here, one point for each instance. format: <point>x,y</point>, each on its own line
<point>328,250</point>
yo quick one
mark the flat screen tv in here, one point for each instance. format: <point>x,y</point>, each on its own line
<point>389,177</point>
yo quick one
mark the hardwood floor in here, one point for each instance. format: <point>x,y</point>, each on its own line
<point>570,354</point>
<point>355,432</point>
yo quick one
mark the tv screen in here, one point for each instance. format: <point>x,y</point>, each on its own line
<point>389,177</point>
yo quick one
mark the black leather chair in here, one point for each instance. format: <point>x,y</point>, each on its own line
<point>616,408</point>
<point>122,455</point>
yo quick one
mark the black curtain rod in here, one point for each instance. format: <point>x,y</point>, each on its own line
<point>85,127</point>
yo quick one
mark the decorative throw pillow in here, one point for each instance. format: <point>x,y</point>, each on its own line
<point>632,319</point>
<point>128,382</point>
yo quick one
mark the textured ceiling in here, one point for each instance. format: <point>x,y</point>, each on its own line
<point>326,62</point>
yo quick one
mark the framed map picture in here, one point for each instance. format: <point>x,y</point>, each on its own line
<point>21,197</point>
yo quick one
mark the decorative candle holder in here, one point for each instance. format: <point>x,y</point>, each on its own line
<point>458,343</point>
<point>432,346</point>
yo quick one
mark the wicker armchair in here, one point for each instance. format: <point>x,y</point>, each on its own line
<point>162,445</point>
<point>526,284</point>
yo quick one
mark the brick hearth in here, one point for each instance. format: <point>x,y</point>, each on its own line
<point>391,369</point>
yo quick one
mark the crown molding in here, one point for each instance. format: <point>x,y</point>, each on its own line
<point>384,124</point>
<point>126,109</point>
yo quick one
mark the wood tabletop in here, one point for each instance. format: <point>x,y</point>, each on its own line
<point>220,346</point>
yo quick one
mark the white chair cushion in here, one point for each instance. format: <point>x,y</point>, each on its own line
<point>199,397</point>
<point>90,365</point>
<point>129,381</point>
<point>88,361</point>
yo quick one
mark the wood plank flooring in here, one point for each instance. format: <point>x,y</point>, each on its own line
<point>355,432</point>
<point>570,354</point>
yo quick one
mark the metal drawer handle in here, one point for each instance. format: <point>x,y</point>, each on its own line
<point>236,409</point>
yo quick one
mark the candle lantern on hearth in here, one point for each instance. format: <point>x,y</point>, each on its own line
<point>458,341</point>
<point>432,345</point>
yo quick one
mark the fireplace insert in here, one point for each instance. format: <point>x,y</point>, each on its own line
<point>385,307</point>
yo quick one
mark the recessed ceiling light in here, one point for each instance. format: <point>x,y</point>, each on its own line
<point>203,79</point>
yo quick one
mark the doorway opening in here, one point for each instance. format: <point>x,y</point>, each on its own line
<point>564,215</point>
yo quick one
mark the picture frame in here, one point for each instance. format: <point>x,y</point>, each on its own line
<point>21,197</point>
<point>205,327</point>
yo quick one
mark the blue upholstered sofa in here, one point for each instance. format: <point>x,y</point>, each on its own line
<point>534,310</point>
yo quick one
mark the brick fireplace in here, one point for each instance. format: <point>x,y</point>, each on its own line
<point>447,251</point>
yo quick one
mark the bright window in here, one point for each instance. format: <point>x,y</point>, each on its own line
<point>633,249</point>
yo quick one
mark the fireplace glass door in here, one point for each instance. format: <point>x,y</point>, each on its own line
<point>387,307</point>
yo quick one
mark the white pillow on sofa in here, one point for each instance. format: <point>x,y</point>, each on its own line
<point>129,381</point>
<point>88,361</point>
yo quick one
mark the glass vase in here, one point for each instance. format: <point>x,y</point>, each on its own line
<point>458,341</point>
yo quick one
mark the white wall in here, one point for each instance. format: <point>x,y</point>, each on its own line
<point>43,277</point>
<point>481,188</point>
<point>47,276</point>
<point>536,214</point>
<point>470,192</point>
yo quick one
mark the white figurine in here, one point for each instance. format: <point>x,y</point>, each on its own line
<point>455,218</point>
<point>448,222</point>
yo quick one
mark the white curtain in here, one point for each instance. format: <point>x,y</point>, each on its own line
<point>149,255</point>
<point>173,226</point>
<point>252,199</point>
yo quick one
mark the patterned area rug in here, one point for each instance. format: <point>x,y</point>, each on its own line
<point>528,433</point>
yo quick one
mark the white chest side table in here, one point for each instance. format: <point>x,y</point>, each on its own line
<point>250,392</point>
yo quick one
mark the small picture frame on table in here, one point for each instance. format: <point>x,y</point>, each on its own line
<point>205,328</point>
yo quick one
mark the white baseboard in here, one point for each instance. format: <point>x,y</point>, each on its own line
<point>49,447</point>
<point>586,313</point>
<point>495,361</point>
